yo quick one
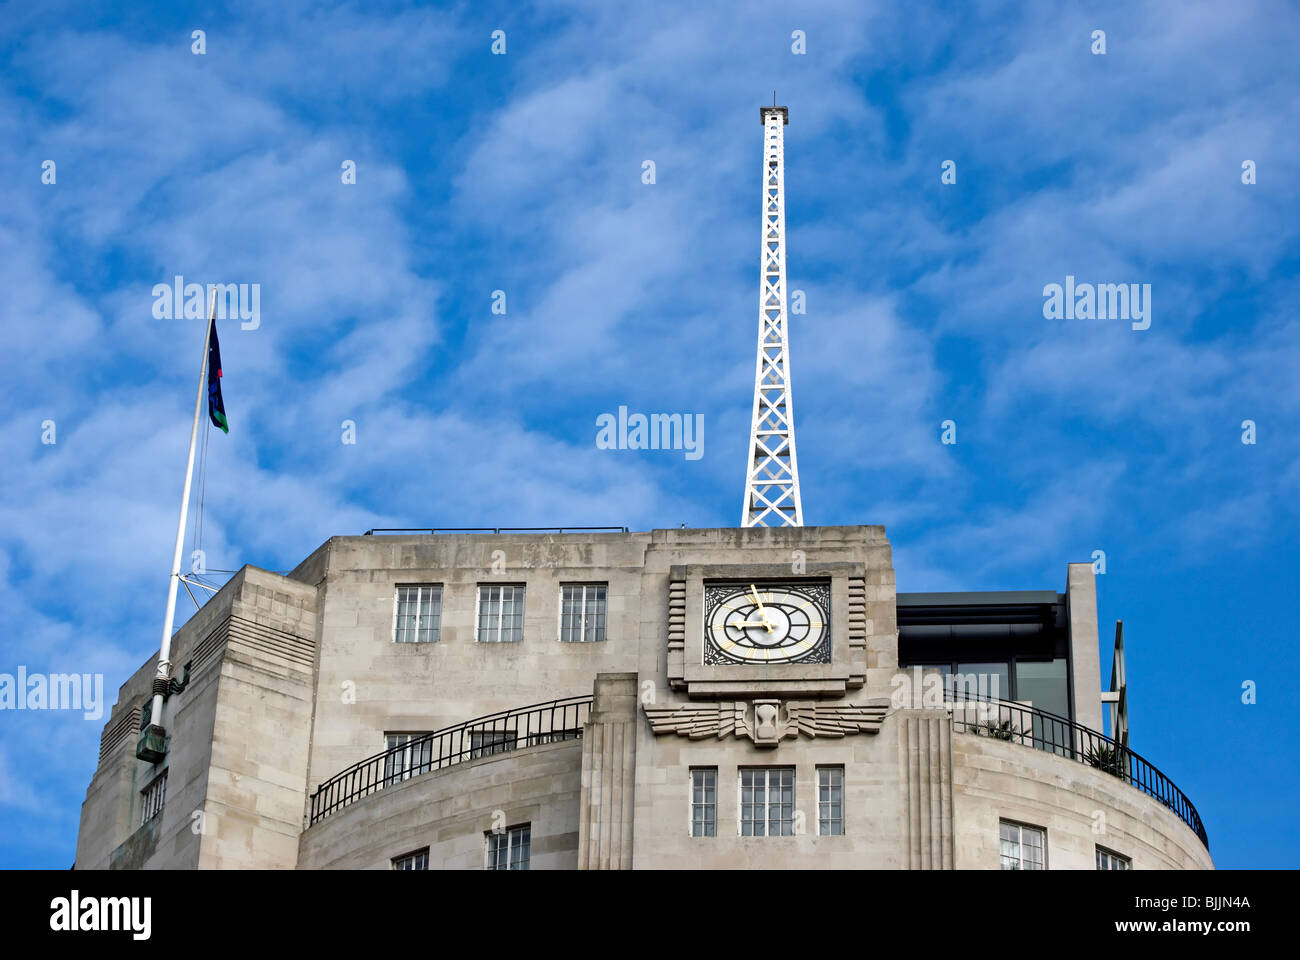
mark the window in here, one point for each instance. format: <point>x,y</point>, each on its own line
<point>418,613</point>
<point>409,756</point>
<point>553,736</point>
<point>704,802</point>
<point>830,801</point>
<point>767,802</point>
<point>500,614</point>
<point>509,850</point>
<point>413,861</point>
<point>1023,847</point>
<point>1045,684</point>
<point>484,743</point>
<point>977,680</point>
<point>152,798</point>
<point>582,613</point>
<point>1109,860</point>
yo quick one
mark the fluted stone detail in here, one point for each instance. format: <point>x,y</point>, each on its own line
<point>608,775</point>
<point>925,761</point>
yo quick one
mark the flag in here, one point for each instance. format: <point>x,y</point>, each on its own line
<point>216,407</point>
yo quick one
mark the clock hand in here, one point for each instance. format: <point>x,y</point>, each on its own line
<point>749,623</point>
<point>767,624</point>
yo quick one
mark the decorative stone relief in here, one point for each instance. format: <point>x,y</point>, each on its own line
<point>767,722</point>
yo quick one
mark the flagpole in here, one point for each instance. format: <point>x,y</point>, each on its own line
<point>162,679</point>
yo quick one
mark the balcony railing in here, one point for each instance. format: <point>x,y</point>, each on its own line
<point>375,530</point>
<point>564,719</point>
<point>484,736</point>
<point>1017,723</point>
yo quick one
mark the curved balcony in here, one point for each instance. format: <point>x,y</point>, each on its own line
<point>483,736</point>
<point>557,720</point>
<point>1017,723</point>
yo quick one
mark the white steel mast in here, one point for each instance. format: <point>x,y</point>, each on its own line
<point>153,739</point>
<point>772,477</point>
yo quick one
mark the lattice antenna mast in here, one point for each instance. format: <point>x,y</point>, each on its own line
<point>772,478</point>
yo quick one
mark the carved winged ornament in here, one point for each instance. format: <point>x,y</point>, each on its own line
<point>767,722</point>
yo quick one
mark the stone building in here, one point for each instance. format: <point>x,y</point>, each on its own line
<point>728,698</point>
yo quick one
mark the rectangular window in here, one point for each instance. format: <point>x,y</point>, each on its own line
<point>408,756</point>
<point>501,613</point>
<point>1109,860</point>
<point>1023,847</point>
<point>484,743</point>
<point>582,612</point>
<point>419,860</point>
<point>418,613</point>
<point>509,850</point>
<point>152,798</point>
<point>552,736</point>
<point>974,681</point>
<point>704,802</point>
<point>830,801</point>
<point>767,802</point>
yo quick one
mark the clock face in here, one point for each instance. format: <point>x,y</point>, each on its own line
<point>767,623</point>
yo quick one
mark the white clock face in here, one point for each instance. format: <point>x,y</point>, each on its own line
<point>767,623</point>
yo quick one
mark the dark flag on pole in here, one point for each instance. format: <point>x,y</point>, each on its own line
<point>216,407</point>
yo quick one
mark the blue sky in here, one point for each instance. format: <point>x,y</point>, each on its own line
<point>522,173</point>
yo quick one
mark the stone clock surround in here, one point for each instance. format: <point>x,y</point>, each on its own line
<point>850,630</point>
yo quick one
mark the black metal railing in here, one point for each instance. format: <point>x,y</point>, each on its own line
<point>481,737</point>
<point>1017,723</point>
<point>375,530</point>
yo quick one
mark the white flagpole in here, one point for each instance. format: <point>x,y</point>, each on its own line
<point>162,679</point>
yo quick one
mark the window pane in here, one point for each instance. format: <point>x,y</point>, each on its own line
<point>419,613</point>
<point>568,614</point>
<point>1009,840</point>
<point>767,802</point>
<point>1044,685</point>
<point>704,802</point>
<point>405,757</point>
<point>485,743</point>
<point>1022,847</point>
<point>489,599</point>
<point>430,613</point>
<point>594,615</point>
<point>413,861</point>
<point>500,614</point>
<point>582,618</point>
<point>510,850</point>
<point>830,812</point>
<point>981,680</point>
<point>1111,861</point>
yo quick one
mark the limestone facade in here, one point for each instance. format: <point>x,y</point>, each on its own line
<point>294,679</point>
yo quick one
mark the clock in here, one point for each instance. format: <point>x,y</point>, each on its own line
<point>767,623</point>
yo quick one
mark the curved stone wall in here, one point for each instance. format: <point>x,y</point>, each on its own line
<point>1080,807</point>
<point>450,811</point>
<point>918,795</point>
